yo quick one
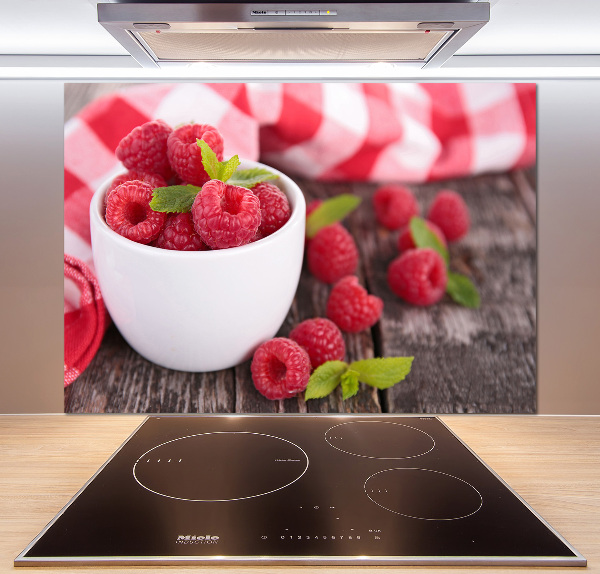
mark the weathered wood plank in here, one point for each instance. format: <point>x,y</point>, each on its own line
<point>525,184</point>
<point>119,380</point>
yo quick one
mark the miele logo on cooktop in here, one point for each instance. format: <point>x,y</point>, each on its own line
<point>197,539</point>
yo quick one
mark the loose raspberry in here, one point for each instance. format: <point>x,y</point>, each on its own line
<point>351,308</point>
<point>418,276</point>
<point>275,208</point>
<point>280,368</point>
<point>322,340</point>
<point>128,212</point>
<point>145,149</point>
<point>451,214</point>
<point>394,206</point>
<point>185,154</point>
<point>225,215</point>
<point>153,179</point>
<point>179,234</point>
<point>332,254</point>
<point>406,242</point>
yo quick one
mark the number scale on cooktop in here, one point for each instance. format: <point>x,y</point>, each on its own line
<point>296,489</point>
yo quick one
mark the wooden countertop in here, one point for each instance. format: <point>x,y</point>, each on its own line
<point>553,462</point>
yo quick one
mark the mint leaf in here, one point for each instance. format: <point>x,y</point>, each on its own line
<point>349,382</point>
<point>209,159</point>
<point>331,211</point>
<point>424,237</point>
<point>382,373</point>
<point>227,168</point>
<point>250,177</point>
<point>174,199</point>
<point>462,290</point>
<point>325,379</point>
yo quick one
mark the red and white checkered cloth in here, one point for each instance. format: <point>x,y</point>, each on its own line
<point>402,132</point>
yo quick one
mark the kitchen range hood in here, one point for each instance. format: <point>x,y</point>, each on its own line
<point>414,34</point>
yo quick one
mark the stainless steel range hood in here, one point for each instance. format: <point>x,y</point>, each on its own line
<point>416,34</point>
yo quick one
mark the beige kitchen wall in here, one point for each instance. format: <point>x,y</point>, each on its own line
<point>31,270</point>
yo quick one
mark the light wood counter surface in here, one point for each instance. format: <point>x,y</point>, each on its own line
<point>553,462</point>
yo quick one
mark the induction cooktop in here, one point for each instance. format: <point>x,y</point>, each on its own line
<point>296,489</point>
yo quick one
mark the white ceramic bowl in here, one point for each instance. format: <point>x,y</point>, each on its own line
<point>204,310</point>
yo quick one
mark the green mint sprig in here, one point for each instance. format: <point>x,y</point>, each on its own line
<point>424,237</point>
<point>228,170</point>
<point>381,373</point>
<point>180,198</point>
<point>174,199</point>
<point>251,177</point>
<point>460,288</point>
<point>331,211</point>
<point>215,169</point>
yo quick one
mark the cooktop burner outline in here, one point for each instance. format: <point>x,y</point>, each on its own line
<point>421,436</point>
<point>231,466</point>
<point>409,498</point>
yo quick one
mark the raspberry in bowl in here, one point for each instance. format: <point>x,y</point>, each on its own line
<point>199,310</point>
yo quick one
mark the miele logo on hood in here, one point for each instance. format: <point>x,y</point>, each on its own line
<point>197,539</point>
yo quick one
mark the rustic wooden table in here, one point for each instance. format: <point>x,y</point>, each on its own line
<point>466,360</point>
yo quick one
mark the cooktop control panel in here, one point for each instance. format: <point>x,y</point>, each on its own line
<point>280,12</point>
<point>297,489</point>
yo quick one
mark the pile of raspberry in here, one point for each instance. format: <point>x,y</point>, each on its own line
<point>419,275</point>
<point>222,215</point>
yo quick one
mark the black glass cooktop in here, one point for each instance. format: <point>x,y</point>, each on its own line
<point>297,489</point>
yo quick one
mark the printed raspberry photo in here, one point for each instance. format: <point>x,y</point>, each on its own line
<point>226,215</point>
<point>322,340</point>
<point>185,156</point>
<point>179,234</point>
<point>128,212</point>
<point>418,276</point>
<point>451,214</point>
<point>351,307</point>
<point>153,179</point>
<point>280,368</point>
<point>332,253</point>
<point>144,149</point>
<point>275,208</point>
<point>388,250</point>
<point>394,205</point>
